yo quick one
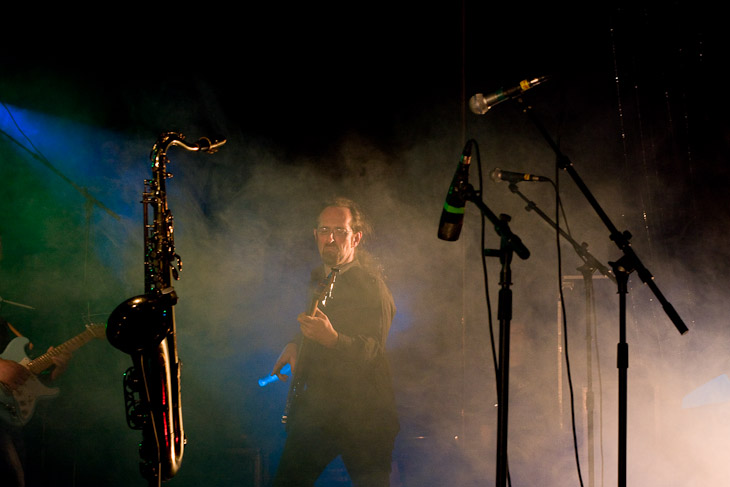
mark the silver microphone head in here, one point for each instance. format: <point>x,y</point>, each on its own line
<point>478,104</point>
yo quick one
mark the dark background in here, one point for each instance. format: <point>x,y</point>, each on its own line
<point>372,101</point>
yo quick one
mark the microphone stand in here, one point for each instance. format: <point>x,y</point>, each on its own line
<point>581,249</point>
<point>590,265</point>
<point>510,244</point>
<point>622,268</point>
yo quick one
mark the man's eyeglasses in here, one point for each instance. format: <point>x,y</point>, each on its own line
<point>337,231</point>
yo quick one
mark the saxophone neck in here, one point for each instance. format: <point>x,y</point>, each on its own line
<point>170,139</point>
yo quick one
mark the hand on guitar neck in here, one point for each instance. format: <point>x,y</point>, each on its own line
<point>60,360</point>
<point>318,328</point>
<point>314,325</point>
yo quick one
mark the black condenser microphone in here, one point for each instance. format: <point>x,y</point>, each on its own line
<point>452,216</point>
<point>481,104</point>
<point>515,177</point>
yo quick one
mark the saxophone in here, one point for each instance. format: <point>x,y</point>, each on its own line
<point>144,327</point>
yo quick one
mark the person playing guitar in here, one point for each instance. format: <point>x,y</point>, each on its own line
<point>345,402</point>
<point>14,376</point>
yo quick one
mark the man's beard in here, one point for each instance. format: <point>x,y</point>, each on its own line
<point>331,255</point>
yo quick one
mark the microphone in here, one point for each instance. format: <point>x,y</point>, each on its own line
<point>452,216</point>
<point>481,104</point>
<point>515,177</point>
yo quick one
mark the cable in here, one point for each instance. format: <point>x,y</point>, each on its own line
<point>558,205</point>
<point>486,287</point>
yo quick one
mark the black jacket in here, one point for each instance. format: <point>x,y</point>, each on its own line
<point>351,384</point>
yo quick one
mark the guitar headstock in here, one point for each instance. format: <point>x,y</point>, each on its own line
<point>329,284</point>
<point>97,330</point>
<point>324,290</point>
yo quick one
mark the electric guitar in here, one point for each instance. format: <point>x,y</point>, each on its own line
<point>323,293</point>
<point>19,405</point>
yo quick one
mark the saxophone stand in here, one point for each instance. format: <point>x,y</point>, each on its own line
<point>622,268</point>
<point>589,267</point>
<point>510,244</point>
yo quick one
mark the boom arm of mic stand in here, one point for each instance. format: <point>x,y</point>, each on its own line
<point>581,250</point>
<point>500,224</point>
<point>619,238</point>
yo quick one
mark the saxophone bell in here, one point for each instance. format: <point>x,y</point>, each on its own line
<point>140,323</point>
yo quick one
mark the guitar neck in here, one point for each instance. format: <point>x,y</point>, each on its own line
<point>43,362</point>
<point>312,310</point>
<point>321,296</point>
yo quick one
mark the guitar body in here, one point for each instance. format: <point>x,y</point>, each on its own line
<point>18,406</point>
